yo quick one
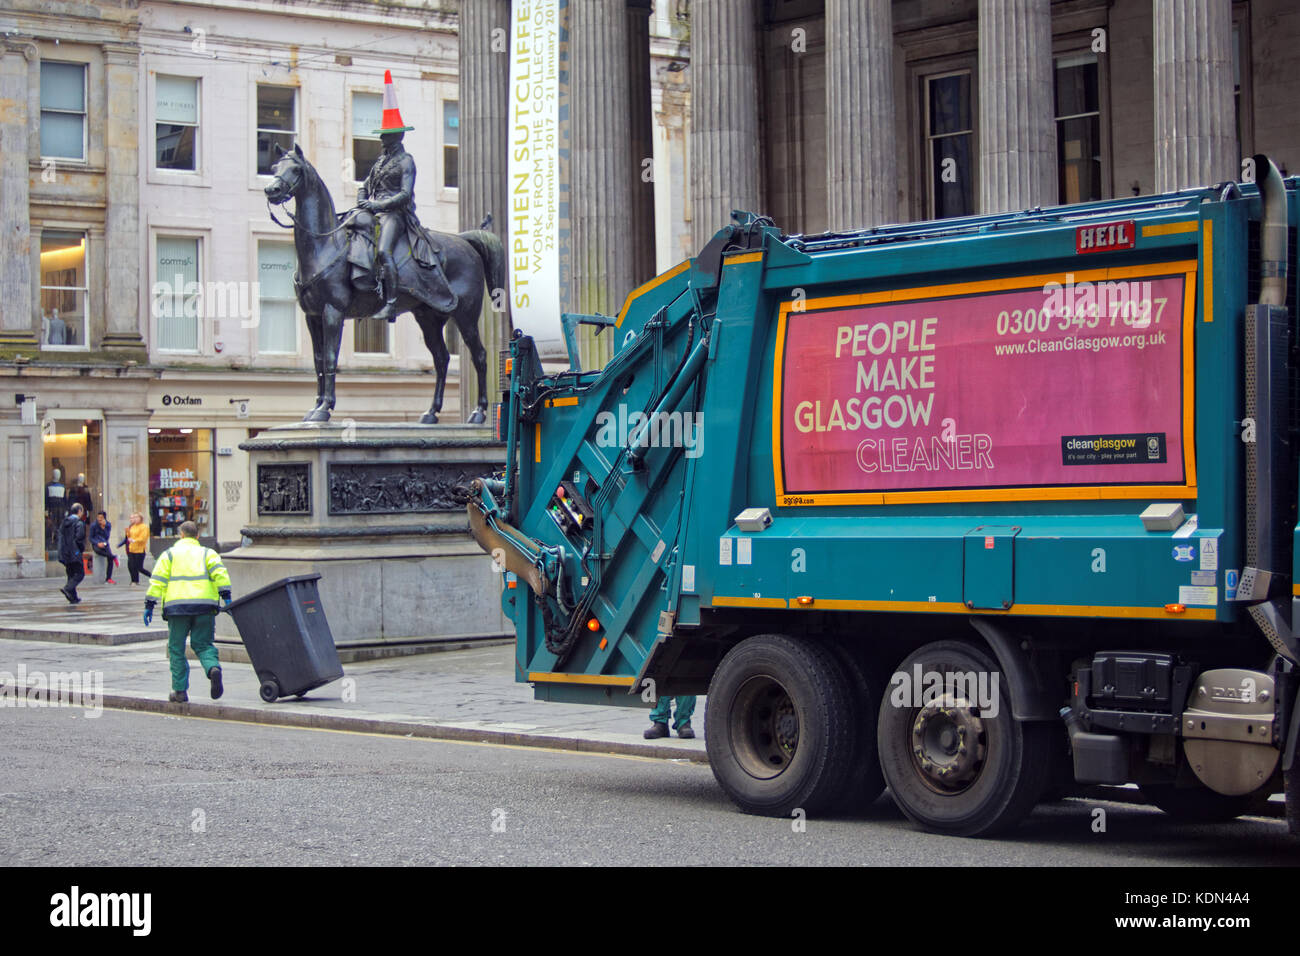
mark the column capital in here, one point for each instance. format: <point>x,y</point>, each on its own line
<point>16,45</point>
<point>121,54</point>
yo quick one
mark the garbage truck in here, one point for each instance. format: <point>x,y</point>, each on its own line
<point>982,510</point>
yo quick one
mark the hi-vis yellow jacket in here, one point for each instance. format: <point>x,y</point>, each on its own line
<point>188,578</point>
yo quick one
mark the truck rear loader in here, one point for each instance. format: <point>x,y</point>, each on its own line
<point>980,510</point>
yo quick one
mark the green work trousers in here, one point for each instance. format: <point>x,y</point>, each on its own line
<point>685,707</point>
<point>198,628</point>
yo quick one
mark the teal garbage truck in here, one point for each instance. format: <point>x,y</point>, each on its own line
<point>980,510</point>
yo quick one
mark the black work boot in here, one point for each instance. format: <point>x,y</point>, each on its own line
<point>214,675</point>
<point>685,732</point>
<point>656,731</point>
<point>178,697</point>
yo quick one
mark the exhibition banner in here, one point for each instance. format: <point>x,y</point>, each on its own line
<point>1065,384</point>
<point>533,196</point>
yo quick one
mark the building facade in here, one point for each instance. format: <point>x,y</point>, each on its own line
<point>847,114</point>
<point>147,316</point>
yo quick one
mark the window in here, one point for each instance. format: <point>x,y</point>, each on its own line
<point>176,294</point>
<point>370,336</point>
<point>450,144</point>
<point>277,326</point>
<point>276,124</point>
<point>950,144</point>
<point>176,122</point>
<point>367,116</point>
<point>1078,128</point>
<point>63,110</point>
<point>180,481</point>
<point>64,289</point>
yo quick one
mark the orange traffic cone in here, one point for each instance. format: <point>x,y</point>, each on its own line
<point>392,118</point>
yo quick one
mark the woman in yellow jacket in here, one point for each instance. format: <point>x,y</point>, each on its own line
<point>136,541</point>
<point>188,578</point>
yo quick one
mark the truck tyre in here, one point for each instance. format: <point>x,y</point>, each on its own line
<point>779,728</point>
<point>952,767</point>
<point>1200,804</point>
<point>866,783</point>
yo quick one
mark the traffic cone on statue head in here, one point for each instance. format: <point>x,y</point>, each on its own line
<point>392,122</point>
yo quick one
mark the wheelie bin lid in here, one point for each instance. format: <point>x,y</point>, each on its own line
<point>268,588</point>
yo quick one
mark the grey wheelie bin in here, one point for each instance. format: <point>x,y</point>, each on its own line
<point>286,635</point>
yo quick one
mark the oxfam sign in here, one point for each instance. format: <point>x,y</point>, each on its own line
<point>170,400</point>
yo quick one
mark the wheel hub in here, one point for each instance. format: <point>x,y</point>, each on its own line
<point>765,726</point>
<point>948,744</point>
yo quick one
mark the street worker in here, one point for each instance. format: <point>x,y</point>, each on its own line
<point>661,714</point>
<point>72,551</point>
<point>188,578</point>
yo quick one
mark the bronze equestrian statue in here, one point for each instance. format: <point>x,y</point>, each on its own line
<point>433,276</point>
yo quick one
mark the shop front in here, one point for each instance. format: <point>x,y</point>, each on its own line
<point>73,470</point>
<point>181,478</point>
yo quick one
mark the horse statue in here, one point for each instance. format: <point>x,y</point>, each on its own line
<point>332,287</point>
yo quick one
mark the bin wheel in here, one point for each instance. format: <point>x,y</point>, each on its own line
<point>780,726</point>
<point>270,691</point>
<point>951,766</point>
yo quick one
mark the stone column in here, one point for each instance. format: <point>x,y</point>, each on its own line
<point>126,472</point>
<point>122,214</point>
<point>18,317</point>
<point>22,497</point>
<point>725,149</point>
<point>601,165</point>
<point>861,140</point>
<point>484,151</point>
<point>642,220</point>
<point>1195,119</point>
<point>1017,126</point>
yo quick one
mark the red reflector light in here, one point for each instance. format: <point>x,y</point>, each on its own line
<point>1175,608</point>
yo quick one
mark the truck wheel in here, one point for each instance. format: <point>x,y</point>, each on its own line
<point>1200,804</point>
<point>951,766</point>
<point>779,727</point>
<point>866,783</point>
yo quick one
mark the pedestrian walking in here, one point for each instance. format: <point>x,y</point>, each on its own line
<point>662,713</point>
<point>136,542</point>
<point>101,543</point>
<point>72,550</point>
<point>188,579</point>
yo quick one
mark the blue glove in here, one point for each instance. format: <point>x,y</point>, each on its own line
<point>225,600</point>
<point>148,614</point>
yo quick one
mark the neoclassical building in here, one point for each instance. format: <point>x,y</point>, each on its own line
<point>846,114</point>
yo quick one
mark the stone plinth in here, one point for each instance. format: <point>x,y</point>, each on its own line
<point>374,509</point>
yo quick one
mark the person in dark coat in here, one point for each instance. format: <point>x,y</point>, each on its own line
<point>72,547</point>
<point>100,542</point>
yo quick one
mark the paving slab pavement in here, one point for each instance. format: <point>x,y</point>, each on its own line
<point>34,609</point>
<point>468,694</point>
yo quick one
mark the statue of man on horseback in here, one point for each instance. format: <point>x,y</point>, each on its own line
<point>377,260</point>
<point>389,194</point>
